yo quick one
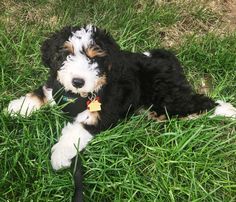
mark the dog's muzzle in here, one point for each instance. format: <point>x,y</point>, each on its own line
<point>78,82</point>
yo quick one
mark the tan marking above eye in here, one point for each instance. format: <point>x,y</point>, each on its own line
<point>95,51</point>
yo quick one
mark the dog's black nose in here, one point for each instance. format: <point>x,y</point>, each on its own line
<point>78,83</point>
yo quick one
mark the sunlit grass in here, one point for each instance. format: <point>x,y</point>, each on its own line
<point>138,160</point>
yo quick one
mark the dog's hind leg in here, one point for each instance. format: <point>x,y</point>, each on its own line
<point>193,105</point>
<point>185,105</point>
<point>31,102</point>
<point>74,139</point>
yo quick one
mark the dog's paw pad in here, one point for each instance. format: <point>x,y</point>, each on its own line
<point>23,106</point>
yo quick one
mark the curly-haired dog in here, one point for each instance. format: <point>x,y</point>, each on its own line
<point>101,84</point>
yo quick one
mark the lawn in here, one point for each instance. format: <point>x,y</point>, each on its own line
<point>139,160</point>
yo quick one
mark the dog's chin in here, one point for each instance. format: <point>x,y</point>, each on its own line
<point>83,94</point>
<point>79,92</point>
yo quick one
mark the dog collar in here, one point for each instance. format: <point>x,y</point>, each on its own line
<point>67,99</point>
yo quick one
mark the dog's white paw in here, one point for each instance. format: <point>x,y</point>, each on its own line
<point>74,138</point>
<point>62,155</point>
<point>87,117</point>
<point>24,106</point>
<point>225,109</point>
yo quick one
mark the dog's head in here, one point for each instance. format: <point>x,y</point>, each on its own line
<point>77,57</point>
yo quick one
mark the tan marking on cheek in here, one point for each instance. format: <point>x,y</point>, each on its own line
<point>100,82</point>
<point>69,47</point>
<point>95,51</point>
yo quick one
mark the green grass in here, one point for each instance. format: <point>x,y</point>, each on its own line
<point>138,160</point>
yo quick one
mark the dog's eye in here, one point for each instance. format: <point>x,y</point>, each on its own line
<point>91,60</point>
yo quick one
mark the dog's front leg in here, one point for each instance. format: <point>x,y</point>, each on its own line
<point>31,102</point>
<point>76,135</point>
<point>74,138</point>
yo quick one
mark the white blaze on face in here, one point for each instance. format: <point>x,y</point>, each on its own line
<point>82,38</point>
<point>79,65</point>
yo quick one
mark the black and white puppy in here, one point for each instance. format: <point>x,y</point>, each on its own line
<point>99,84</point>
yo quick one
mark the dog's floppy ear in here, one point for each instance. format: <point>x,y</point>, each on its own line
<point>55,49</point>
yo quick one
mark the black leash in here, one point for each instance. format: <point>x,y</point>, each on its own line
<point>78,180</point>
